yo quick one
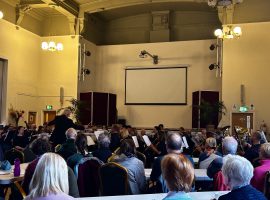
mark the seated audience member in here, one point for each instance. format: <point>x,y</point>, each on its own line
<point>50,179</point>
<point>115,138</point>
<point>135,167</point>
<point>81,145</point>
<point>259,172</point>
<point>124,132</point>
<point>253,150</point>
<point>68,148</point>
<point>173,146</point>
<point>178,173</point>
<point>103,152</point>
<point>20,141</point>
<point>39,147</point>
<point>229,146</point>
<point>209,153</point>
<point>237,172</point>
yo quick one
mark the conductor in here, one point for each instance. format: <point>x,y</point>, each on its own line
<point>62,123</point>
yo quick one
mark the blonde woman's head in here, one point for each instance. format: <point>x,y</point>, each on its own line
<point>50,176</point>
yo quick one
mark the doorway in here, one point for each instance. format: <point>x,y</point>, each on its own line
<point>48,115</point>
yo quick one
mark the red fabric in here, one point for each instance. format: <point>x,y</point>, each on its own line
<point>219,184</point>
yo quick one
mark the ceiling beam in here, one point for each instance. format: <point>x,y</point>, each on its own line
<point>97,5</point>
<point>64,6</point>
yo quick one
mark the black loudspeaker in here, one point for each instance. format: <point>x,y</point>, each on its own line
<point>211,97</point>
<point>100,108</point>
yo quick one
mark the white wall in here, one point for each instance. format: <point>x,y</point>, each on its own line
<point>110,77</point>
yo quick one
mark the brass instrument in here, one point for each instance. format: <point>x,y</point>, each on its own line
<point>241,135</point>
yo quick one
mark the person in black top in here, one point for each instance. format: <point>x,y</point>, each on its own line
<point>20,141</point>
<point>253,150</point>
<point>237,172</point>
<point>62,123</point>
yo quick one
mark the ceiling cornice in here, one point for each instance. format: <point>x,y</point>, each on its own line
<point>97,5</point>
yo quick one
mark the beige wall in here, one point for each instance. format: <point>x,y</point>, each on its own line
<point>110,77</point>
<point>22,50</point>
<point>89,82</point>
<point>33,73</point>
<point>58,69</point>
<point>246,61</point>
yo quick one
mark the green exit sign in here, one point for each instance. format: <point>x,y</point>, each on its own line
<point>49,107</point>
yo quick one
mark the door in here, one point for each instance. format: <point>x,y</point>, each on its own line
<point>48,116</point>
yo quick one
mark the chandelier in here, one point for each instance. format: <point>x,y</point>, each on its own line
<point>52,46</point>
<point>228,32</point>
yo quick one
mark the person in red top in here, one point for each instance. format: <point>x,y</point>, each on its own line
<point>259,172</point>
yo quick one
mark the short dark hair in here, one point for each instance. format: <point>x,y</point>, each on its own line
<point>40,146</point>
<point>257,135</point>
<point>174,141</point>
<point>127,147</point>
<point>81,143</point>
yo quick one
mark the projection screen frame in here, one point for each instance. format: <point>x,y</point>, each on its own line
<point>149,68</point>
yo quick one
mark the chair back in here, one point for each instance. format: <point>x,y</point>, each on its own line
<point>114,180</point>
<point>267,185</point>
<point>87,171</point>
<point>12,154</point>
<point>141,157</point>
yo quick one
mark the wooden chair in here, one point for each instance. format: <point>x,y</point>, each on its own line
<point>15,191</point>
<point>12,154</point>
<point>267,185</point>
<point>141,157</point>
<point>114,180</point>
<point>88,180</point>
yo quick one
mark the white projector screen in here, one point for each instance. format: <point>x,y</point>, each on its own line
<point>156,86</point>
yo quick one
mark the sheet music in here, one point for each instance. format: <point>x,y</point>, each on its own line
<point>90,141</point>
<point>135,139</point>
<point>146,140</point>
<point>185,142</point>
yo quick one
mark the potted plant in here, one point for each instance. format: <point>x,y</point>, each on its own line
<point>76,107</point>
<point>15,115</point>
<point>209,111</point>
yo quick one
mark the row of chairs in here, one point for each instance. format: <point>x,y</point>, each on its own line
<point>97,179</point>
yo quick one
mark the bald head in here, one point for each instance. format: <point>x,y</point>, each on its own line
<point>71,133</point>
<point>173,142</point>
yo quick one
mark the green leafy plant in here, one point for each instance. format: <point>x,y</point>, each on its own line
<point>209,111</point>
<point>76,107</point>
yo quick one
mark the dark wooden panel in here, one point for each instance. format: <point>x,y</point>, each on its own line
<point>85,117</point>
<point>112,109</point>
<point>100,105</point>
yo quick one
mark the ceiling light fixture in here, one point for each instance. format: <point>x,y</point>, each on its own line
<point>52,46</point>
<point>1,14</point>
<point>228,32</point>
